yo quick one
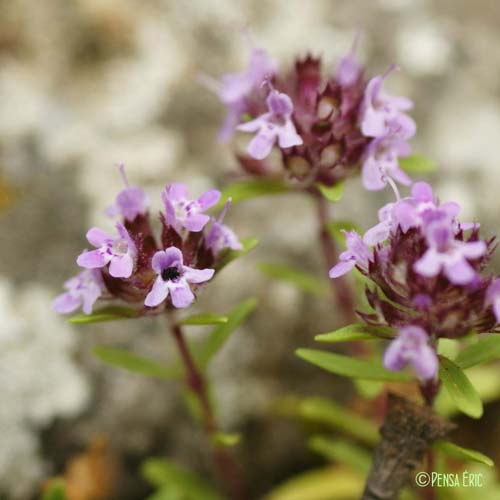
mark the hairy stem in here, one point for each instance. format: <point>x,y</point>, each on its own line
<point>226,468</point>
<point>341,289</point>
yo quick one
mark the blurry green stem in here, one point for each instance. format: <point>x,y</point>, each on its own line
<point>227,469</point>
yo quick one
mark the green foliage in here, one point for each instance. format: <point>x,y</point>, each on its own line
<point>342,451</point>
<point>368,389</point>
<point>112,313</point>
<point>208,348</point>
<point>332,193</point>
<point>302,280</point>
<point>226,439</point>
<point>356,332</point>
<point>204,319</point>
<point>55,491</point>
<point>230,255</point>
<point>465,454</point>
<point>119,358</point>
<point>418,164</point>
<point>350,367</point>
<point>326,483</point>
<point>484,350</point>
<point>460,388</point>
<point>336,227</point>
<point>245,190</point>
<point>175,482</point>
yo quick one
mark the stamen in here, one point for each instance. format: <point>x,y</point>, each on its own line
<point>170,273</point>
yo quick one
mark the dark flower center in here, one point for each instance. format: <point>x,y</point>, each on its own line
<point>170,273</point>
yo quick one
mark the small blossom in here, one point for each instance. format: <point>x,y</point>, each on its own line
<point>357,253</point>
<point>221,236</point>
<point>382,113</point>
<point>349,70</point>
<point>274,125</point>
<point>493,298</point>
<point>448,254</point>
<point>174,278</point>
<point>119,252</point>
<point>130,202</point>
<point>183,212</point>
<point>82,290</point>
<point>381,163</point>
<point>411,347</point>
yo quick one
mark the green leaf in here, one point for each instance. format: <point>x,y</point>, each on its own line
<point>368,389</point>
<point>226,439</point>
<point>247,243</point>
<point>128,361</point>
<point>55,491</point>
<point>418,164</point>
<point>112,313</point>
<point>356,332</point>
<point>244,190</point>
<point>204,319</point>
<point>302,280</point>
<point>335,229</point>
<point>207,349</point>
<point>169,476</point>
<point>484,350</point>
<point>327,483</point>
<point>342,451</point>
<point>460,389</point>
<point>350,367</point>
<point>332,193</point>
<point>463,453</point>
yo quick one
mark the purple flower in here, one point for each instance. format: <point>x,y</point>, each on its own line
<point>382,113</point>
<point>130,202</point>
<point>274,125</point>
<point>119,252</point>
<point>411,346</point>
<point>221,236</point>
<point>493,297</point>
<point>380,163</point>
<point>183,212</point>
<point>448,254</point>
<point>82,290</point>
<point>357,253</point>
<point>234,89</point>
<point>174,277</point>
<point>349,69</point>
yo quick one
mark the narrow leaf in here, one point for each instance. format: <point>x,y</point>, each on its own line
<point>302,280</point>
<point>418,164</point>
<point>128,361</point>
<point>332,193</point>
<point>342,451</point>
<point>247,243</point>
<point>112,313</point>
<point>460,389</point>
<point>204,319</point>
<point>466,454</point>
<point>484,350</point>
<point>207,349</point>
<point>350,367</point>
<point>356,332</point>
<point>241,191</point>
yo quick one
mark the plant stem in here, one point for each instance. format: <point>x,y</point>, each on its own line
<point>226,468</point>
<point>341,289</point>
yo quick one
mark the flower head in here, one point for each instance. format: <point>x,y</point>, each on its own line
<point>119,252</point>
<point>412,347</point>
<point>357,253</point>
<point>221,236</point>
<point>174,278</point>
<point>275,125</point>
<point>82,291</point>
<point>181,212</point>
<point>130,202</point>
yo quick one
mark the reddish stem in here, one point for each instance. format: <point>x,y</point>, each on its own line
<point>227,470</point>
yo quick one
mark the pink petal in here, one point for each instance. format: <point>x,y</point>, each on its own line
<point>92,260</point>
<point>209,199</point>
<point>474,249</point>
<point>393,359</point>
<point>425,362</point>
<point>197,275</point>
<point>66,303</point>
<point>371,175</point>
<point>158,293</point>
<point>121,267</point>
<point>170,257</point>
<point>181,294</point>
<point>288,136</point>
<point>97,237</point>
<point>429,264</point>
<point>196,222</point>
<point>459,272</point>
<point>341,268</point>
<point>260,146</point>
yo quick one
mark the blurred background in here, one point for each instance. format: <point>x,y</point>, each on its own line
<point>86,84</point>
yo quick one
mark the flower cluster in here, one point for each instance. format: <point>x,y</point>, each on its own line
<point>428,271</point>
<point>325,127</point>
<point>133,266</point>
